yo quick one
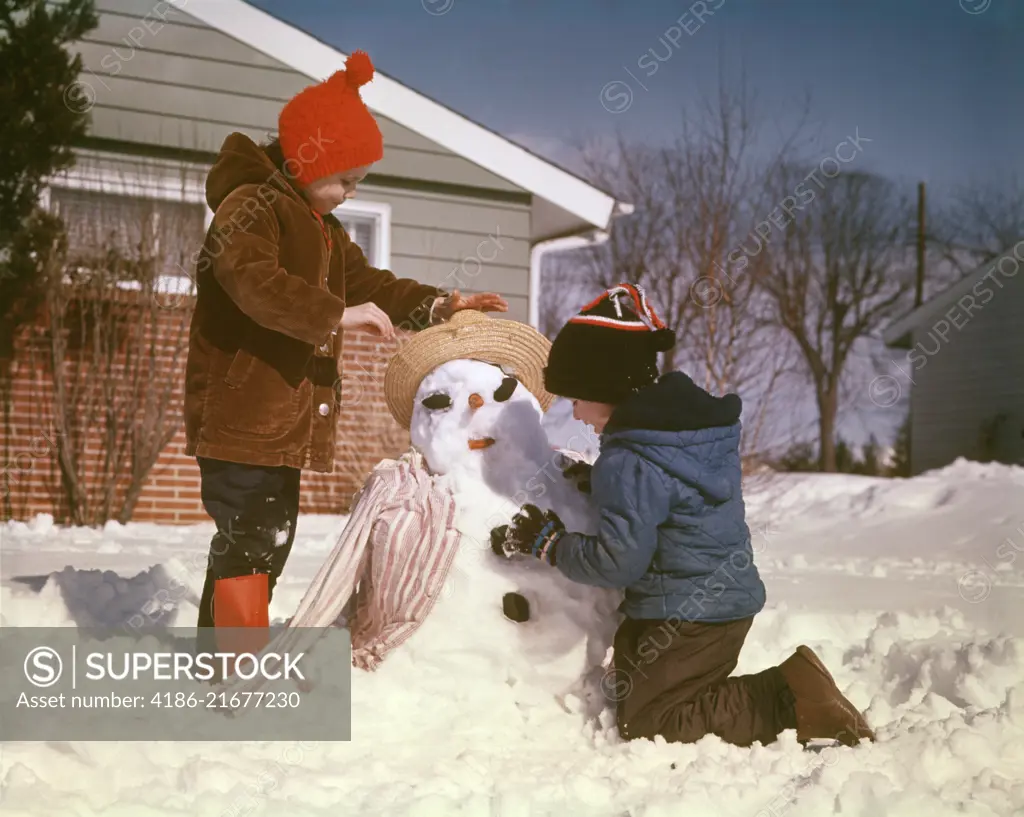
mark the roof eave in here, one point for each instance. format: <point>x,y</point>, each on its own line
<point>899,332</point>
<point>309,56</point>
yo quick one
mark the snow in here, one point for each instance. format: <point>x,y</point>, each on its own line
<point>566,432</point>
<point>911,591</point>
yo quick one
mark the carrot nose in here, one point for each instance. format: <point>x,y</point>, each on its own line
<point>475,401</point>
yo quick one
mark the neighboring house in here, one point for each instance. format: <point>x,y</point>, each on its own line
<point>964,368</point>
<point>452,203</point>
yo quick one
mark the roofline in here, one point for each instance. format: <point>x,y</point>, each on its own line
<point>898,332</point>
<point>317,60</point>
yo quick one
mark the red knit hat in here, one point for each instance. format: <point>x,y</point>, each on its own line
<point>327,128</point>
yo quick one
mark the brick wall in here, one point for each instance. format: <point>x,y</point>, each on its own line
<point>28,450</point>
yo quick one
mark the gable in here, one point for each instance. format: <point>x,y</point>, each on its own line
<point>588,207</point>
<point>157,75</point>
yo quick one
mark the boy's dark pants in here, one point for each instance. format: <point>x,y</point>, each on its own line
<point>255,509</point>
<point>672,679</point>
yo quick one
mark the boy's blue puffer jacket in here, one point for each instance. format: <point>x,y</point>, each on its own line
<point>673,531</point>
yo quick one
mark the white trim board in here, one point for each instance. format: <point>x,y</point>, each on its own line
<point>316,60</point>
<point>144,180</point>
<point>380,212</point>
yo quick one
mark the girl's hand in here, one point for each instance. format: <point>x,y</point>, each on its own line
<point>482,301</point>
<point>368,317</point>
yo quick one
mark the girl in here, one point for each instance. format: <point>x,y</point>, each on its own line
<point>277,277</point>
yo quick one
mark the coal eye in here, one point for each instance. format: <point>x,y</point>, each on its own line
<point>438,401</point>
<point>505,390</point>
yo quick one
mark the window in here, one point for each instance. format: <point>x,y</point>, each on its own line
<point>166,230</point>
<point>369,225</point>
<point>146,208</point>
<point>363,232</point>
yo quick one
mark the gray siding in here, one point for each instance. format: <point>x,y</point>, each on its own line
<point>965,381</point>
<point>443,240</point>
<point>175,82</point>
<point>199,84</point>
<point>452,242</point>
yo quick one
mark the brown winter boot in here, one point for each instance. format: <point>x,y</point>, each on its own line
<point>822,711</point>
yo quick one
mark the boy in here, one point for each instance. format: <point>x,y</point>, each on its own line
<point>673,535</point>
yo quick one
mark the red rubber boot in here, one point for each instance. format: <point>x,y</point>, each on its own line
<point>241,613</point>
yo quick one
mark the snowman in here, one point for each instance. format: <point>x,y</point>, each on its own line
<point>479,430</point>
<point>413,575</point>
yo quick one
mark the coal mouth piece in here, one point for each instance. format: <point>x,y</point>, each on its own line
<point>515,607</point>
<point>481,443</point>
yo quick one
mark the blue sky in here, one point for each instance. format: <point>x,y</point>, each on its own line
<point>936,88</point>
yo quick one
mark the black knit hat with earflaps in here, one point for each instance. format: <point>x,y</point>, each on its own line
<point>609,350</point>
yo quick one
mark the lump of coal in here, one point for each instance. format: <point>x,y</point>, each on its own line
<point>515,607</point>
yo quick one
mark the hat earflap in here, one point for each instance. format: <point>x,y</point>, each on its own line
<point>662,340</point>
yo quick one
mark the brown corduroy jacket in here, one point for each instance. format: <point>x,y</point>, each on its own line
<point>262,377</point>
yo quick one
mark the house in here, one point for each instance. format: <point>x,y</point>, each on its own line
<point>964,368</point>
<point>452,203</point>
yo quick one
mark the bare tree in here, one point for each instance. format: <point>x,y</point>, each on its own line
<point>833,276</point>
<point>114,348</point>
<point>979,223</point>
<point>639,248</point>
<point>554,312</point>
<point>694,200</point>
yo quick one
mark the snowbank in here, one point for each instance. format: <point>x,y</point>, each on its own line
<point>910,590</point>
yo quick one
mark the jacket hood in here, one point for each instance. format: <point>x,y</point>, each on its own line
<point>241,161</point>
<point>675,403</point>
<point>691,434</point>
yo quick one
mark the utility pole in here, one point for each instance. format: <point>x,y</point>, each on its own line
<point>919,291</point>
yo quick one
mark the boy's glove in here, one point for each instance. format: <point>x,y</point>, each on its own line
<point>580,472</point>
<point>533,532</point>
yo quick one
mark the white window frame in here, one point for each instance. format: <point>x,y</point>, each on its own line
<point>159,181</point>
<point>380,213</point>
<point>163,181</point>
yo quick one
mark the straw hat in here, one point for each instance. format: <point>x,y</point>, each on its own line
<point>468,335</point>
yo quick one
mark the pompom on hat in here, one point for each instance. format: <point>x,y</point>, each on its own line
<point>472,335</point>
<point>610,349</point>
<point>327,128</point>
